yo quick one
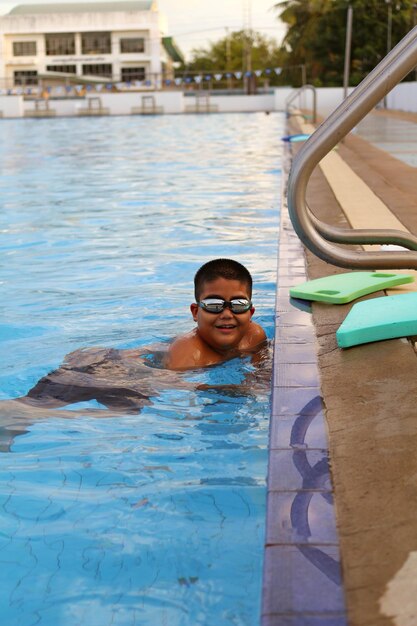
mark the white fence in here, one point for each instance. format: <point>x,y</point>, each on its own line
<point>403,97</point>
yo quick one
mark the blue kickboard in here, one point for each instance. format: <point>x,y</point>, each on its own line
<point>378,319</point>
<point>295,138</point>
<point>342,288</point>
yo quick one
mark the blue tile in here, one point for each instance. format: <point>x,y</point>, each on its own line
<point>292,304</point>
<point>297,353</point>
<point>292,263</point>
<point>289,270</point>
<point>302,579</point>
<point>296,470</point>
<point>295,334</point>
<point>295,246</point>
<point>297,401</point>
<point>289,251</point>
<point>294,318</point>
<point>290,280</point>
<point>300,517</point>
<point>333,619</point>
<point>299,432</point>
<point>296,375</point>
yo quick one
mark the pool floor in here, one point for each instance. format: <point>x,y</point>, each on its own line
<point>156,517</point>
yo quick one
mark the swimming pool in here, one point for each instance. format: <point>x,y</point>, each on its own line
<point>155,517</point>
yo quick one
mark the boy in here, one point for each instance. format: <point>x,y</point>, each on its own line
<point>223,311</point>
<point>123,380</point>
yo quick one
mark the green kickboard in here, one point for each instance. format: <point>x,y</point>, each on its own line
<point>381,318</point>
<point>342,288</point>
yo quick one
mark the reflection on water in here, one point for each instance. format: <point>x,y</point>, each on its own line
<point>155,516</point>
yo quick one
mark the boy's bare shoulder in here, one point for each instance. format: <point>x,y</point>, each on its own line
<point>189,351</point>
<point>254,337</point>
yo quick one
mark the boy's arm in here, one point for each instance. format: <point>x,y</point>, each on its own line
<point>78,380</point>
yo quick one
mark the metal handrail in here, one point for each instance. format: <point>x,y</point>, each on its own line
<point>313,233</point>
<point>362,235</point>
<point>298,93</point>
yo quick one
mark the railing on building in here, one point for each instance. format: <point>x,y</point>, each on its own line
<point>319,237</point>
<point>72,85</point>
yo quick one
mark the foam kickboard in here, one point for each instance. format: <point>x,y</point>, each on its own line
<point>295,138</point>
<point>342,288</point>
<point>378,319</point>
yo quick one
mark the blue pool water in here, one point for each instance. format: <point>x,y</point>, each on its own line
<point>154,518</point>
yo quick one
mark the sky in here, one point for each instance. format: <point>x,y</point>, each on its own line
<point>194,23</point>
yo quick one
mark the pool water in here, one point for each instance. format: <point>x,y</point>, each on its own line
<point>156,517</point>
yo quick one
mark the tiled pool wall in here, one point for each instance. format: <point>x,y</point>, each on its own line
<point>302,584</point>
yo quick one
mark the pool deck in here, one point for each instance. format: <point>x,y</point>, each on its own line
<point>341,543</point>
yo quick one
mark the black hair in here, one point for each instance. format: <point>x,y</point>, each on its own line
<point>221,268</point>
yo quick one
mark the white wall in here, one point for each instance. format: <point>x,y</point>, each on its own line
<point>328,98</point>
<point>403,97</point>
<point>11,106</point>
<point>122,103</point>
<point>117,103</point>
<point>281,94</point>
<point>235,104</point>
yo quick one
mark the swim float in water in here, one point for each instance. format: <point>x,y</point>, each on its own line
<point>295,138</point>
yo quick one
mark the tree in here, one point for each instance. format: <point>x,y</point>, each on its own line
<point>316,35</point>
<point>240,51</point>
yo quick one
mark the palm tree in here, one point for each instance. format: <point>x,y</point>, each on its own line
<point>316,35</point>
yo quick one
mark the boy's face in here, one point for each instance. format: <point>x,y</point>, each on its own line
<point>225,330</point>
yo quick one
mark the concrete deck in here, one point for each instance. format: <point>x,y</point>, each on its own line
<point>369,397</point>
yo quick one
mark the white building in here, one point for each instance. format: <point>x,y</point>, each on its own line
<point>83,42</point>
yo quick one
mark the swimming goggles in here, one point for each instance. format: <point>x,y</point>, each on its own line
<point>217,305</point>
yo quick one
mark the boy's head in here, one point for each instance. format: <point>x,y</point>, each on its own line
<point>223,281</point>
<point>221,268</point>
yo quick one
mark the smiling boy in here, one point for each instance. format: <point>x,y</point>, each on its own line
<point>123,380</point>
<point>223,312</point>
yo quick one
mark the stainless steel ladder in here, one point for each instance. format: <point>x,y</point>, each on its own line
<point>319,237</point>
<point>297,94</point>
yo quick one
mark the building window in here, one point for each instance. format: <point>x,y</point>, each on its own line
<point>56,44</point>
<point>26,77</point>
<point>65,69</point>
<point>102,69</point>
<point>24,48</point>
<point>95,43</point>
<point>133,73</point>
<point>132,44</point>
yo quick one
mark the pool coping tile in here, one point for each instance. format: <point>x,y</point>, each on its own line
<point>296,401</point>
<point>295,470</point>
<point>302,583</point>
<point>316,587</point>
<point>310,619</point>
<point>301,517</point>
<point>298,432</point>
